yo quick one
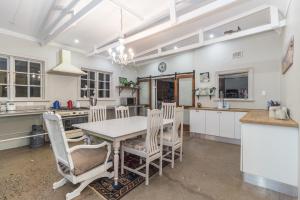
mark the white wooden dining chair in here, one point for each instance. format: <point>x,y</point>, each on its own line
<point>97,113</point>
<point>79,164</point>
<point>122,112</point>
<point>173,138</point>
<point>168,110</point>
<point>147,148</point>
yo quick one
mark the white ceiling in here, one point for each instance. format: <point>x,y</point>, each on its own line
<point>102,24</point>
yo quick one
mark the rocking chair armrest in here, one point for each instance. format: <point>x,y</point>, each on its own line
<point>77,139</point>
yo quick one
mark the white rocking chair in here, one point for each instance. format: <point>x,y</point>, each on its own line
<point>148,148</point>
<point>97,113</point>
<point>80,164</point>
<point>172,139</point>
<point>122,112</point>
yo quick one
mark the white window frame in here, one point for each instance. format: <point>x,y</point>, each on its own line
<point>250,72</point>
<point>111,91</point>
<point>11,96</point>
<point>8,77</point>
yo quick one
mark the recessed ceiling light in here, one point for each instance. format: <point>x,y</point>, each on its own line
<point>76,41</point>
<point>175,47</point>
<point>211,35</point>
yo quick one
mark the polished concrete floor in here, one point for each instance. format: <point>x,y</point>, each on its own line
<point>209,171</point>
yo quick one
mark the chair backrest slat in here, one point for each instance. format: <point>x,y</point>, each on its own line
<point>154,127</point>
<point>177,123</point>
<point>168,110</point>
<point>122,112</point>
<point>97,113</point>
<point>58,139</point>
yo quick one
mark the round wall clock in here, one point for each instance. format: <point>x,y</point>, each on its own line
<point>162,67</point>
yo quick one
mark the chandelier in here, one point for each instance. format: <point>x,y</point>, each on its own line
<point>121,55</point>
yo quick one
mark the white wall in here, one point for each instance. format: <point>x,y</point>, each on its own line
<point>290,86</point>
<point>59,87</point>
<point>261,52</point>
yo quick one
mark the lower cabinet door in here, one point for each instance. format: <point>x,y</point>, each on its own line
<point>227,124</point>
<point>212,123</point>
<point>197,121</point>
<point>237,128</point>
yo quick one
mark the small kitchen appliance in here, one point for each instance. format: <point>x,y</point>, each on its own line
<point>128,101</point>
<point>70,104</point>
<point>56,105</point>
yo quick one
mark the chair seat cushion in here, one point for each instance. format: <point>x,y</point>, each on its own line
<point>87,159</point>
<point>167,136</point>
<point>137,144</point>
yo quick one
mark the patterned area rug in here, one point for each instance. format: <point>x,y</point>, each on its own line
<point>127,182</point>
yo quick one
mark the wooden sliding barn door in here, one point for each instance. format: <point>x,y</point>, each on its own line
<point>184,89</point>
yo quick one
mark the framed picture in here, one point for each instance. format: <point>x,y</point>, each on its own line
<point>288,59</point>
<point>204,77</point>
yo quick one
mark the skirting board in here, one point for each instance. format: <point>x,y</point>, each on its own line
<point>217,138</point>
<point>271,184</point>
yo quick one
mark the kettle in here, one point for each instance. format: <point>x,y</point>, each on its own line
<point>70,104</point>
<point>56,105</point>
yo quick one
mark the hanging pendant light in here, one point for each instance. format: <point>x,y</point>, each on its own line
<point>121,55</point>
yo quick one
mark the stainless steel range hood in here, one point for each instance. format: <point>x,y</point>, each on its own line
<point>65,67</point>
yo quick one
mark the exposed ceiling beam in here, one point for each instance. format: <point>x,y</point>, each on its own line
<point>146,23</point>
<point>127,9</point>
<point>64,11</point>
<point>45,20</point>
<point>78,16</point>
<point>211,7</point>
<point>275,24</point>
<point>173,11</point>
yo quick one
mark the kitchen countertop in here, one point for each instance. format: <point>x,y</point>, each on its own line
<point>22,112</point>
<point>262,117</point>
<point>229,110</point>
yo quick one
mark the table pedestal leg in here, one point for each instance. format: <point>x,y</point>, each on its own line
<point>116,146</point>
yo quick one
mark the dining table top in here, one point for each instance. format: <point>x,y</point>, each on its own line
<point>115,128</point>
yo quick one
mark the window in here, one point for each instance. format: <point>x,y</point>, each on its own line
<point>235,84</point>
<point>4,77</point>
<point>95,84</point>
<point>27,79</point>
<point>104,85</point>
<point>20,78</point>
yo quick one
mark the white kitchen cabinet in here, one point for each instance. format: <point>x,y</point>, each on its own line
<point>212,123</point>
<point>226,124</point>
<point>237,124</point>
<point>197,121</point>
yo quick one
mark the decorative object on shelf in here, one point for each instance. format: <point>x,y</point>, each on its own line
<point>120,54</point>
<point>204,77</point>
<point>233,31</point>
<point>123,81</point>
<point>199,105</point>
<point>288,59</point>
<point>162,67</point>
<point>212,92</point>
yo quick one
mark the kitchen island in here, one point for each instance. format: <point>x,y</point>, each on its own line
<point>269,152</point>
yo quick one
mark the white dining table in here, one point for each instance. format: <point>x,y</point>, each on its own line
<point>117,130</point>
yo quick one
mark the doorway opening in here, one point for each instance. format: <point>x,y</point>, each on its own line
<point>165,89</point>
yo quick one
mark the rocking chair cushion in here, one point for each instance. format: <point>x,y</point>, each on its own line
<point>87,159</point>
<point>168,136</point>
